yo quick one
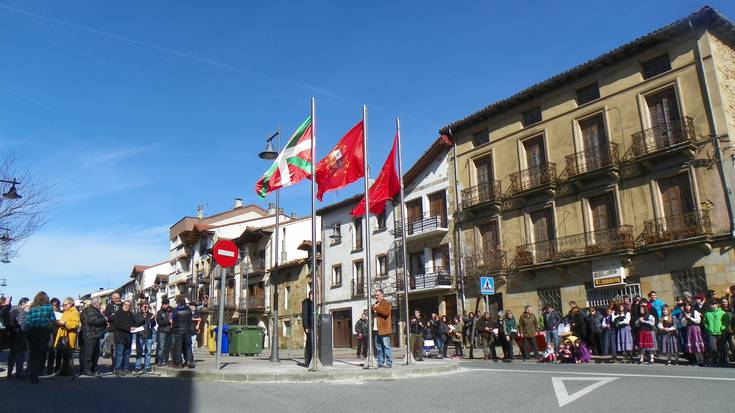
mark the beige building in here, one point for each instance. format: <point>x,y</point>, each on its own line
<point>614,177</point>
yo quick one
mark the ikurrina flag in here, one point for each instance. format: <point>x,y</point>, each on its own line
<point>344,164</point>
<point>293,163</point>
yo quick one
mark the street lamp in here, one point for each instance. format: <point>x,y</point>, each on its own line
<point>3,282</point>
<point>270,154</point>
<point>6,259</point>
<point>11,193</point>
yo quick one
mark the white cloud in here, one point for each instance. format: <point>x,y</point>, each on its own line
<point>66,263</point>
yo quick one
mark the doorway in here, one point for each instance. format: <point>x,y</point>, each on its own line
<point>342,328</point>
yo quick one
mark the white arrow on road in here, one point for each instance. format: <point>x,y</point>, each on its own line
<point>565,398</point>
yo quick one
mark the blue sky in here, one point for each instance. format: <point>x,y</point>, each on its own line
<point>138,111</point>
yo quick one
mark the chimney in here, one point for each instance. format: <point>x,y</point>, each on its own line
<point>271,208</point>
<point>238,202</point>
<point>200,211</point>
<point>293,215</point>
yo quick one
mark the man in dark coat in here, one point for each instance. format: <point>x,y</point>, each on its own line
<point>122,322</point>
<point>181,331</point>
<point>163,319</point>
<point>94,325</point>
<point>307,315</point>
<point>361,329</point>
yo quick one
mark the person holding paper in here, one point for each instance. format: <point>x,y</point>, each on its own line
<point>144,321</point>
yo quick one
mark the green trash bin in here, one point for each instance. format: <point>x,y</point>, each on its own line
<point>245,340</point>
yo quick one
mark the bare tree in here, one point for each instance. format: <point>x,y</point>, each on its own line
<point>21,217</point>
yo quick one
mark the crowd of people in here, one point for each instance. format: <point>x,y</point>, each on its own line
<point>695,329</point>
<point>43,335</point>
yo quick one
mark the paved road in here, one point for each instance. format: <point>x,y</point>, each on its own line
<point>479,387</point>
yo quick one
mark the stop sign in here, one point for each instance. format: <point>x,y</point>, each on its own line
<point>224,253</point>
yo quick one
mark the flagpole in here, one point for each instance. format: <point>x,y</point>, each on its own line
<point>408,360</point>
<point>314,366</point>
<point>370,362</point>
<point>275,355</point>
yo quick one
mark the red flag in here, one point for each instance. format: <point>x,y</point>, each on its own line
<point>385,187</point>
<point>344,164</point>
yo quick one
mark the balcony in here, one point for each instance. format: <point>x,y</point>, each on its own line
<point>429,224</point>
<point>252,303</point>
<point>358,288</point>
<point>438,278</point>
<point>180,252</point>
<point>676,137</point>
<point>592,162</point>
<point>483,194</point>
<point>676,229</point>
<point>485,262</point>
<point>253,266</point>
<point>534,180</point>
<point>577,247</point>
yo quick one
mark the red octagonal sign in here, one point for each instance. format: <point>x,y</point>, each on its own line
<point>225,253</point>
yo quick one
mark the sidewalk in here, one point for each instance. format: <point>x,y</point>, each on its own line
<point>346,367</point>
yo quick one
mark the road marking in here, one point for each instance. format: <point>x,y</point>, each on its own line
<point>655,376</point>
<point>565,398</point>
<point>226,253</point>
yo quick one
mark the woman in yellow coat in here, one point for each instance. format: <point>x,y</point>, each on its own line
<point>66,335</point>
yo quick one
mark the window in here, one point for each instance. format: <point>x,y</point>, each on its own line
<point>549,297</point>
<point>663,109</point>
<point>593,132</point>
<point>535,153</point>
<point>359,274</point>
<point>336,275</point>
<point>676,196</point>
<point>602,209</point>
<point>602,297</point>
<point>480,138</point>
<point>381,269</point>
<point>484,169</point>
<point>287,328</point>
<point>656,66</point>
<point>336,235</point>
<point>358,233</point>
<point>588,94</point>
<point>438,207</point>
<point>692,280</point>
<point>416,263</point>
<point>380,221</point>
<point>286,296</point>
<point>489,236</point>
<point>531,117</point>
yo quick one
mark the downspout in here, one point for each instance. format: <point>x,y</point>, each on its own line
<point>724,177</point>
<point>457,229</point>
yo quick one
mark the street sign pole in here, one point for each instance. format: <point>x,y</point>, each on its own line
<point>220,325</point>
<point>224,253</point>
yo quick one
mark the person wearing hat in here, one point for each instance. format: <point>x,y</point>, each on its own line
<point>163,321</point>
<point>17,338</point>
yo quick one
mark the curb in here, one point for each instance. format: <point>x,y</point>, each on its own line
<point>321,376</point>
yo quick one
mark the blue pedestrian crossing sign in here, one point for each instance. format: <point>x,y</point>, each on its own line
<point>487,285</point>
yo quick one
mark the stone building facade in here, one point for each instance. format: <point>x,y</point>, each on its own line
<point>614,177</point>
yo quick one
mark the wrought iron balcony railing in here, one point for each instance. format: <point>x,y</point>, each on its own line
<point>485,262</point>
<point>592,158</point>
<point>676,227</point>
<point>254,302</point>
<point>481,194</point>
<point>577,245</point>
<point>358,288</point>
<point>663,136</point>
<point>533,177</point>
<point>425,223</point>
<point>439,277</point>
